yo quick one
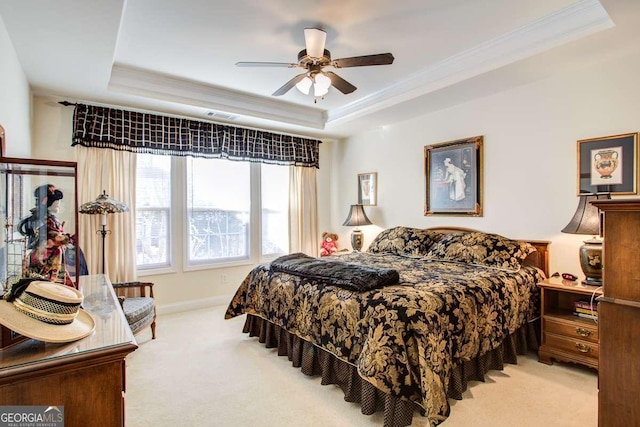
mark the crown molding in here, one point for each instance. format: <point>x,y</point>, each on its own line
<point>579,19</point>
<point>155,85</point>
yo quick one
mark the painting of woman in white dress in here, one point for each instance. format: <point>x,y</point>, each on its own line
<point>453,177</point>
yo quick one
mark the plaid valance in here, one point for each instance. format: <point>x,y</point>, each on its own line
<point>102,127</point>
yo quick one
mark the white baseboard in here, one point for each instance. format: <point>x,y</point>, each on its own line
<point>180,307</point>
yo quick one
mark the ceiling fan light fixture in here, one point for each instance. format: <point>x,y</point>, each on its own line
<point>315,40</point>
<point>304,85</point>
<point>319,91</point>
<point>321,84</point>
<point>322,80</point>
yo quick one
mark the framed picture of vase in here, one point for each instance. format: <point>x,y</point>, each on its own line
<point>608,164</point>
<point>453,175</point>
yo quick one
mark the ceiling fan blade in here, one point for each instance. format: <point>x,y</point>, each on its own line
<point>267,64</point>
<point>314,40</point>
<point>289,85</point>
<point>339,83</point>
<point>362,61</point>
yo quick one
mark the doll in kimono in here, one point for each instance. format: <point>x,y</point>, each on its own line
<point>46,239</point>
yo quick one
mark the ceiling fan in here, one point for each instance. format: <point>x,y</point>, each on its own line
<point>314,58</point>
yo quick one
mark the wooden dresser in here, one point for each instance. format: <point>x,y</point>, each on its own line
<point>619,315</point>
<point>87,377</point>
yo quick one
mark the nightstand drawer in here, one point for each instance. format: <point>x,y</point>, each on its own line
<point>576,346</point>
<point>581,331</point>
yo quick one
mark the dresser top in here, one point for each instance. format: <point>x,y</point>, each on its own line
<point>111,333</point>
<point>618,204</point>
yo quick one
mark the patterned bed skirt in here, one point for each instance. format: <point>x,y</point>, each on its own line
<point>397,412</point>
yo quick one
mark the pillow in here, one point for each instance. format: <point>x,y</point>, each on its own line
<point>489,250</point>
<point>404,241</point>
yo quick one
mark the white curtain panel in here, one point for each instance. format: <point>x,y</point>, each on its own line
<point>303,211</point>
<point>114,172</point>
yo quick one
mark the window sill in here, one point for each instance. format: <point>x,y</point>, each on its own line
<point>222,264</point>
<point>156,271</point>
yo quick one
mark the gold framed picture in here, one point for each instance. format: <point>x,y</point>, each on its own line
<point>453,175</point>
<point>608,164</point>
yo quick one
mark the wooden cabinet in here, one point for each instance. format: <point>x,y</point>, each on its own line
<point>619,311</point>
<point>565,336</point>
<point>87,377</point>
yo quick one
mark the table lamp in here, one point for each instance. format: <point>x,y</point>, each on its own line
<point>586,220</point>
<point>356,218</point>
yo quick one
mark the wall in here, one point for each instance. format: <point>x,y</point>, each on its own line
<point>15,99</point>
<point>530,135</point>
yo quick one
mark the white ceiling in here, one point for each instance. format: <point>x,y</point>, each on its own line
<point>178,57</point>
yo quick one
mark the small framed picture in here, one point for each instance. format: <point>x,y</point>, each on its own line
<point>453,172</point>
<point>367,189</point>
<point>608,164</point>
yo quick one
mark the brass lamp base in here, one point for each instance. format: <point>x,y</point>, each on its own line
<point>356,240</point>
<point>591,262</point>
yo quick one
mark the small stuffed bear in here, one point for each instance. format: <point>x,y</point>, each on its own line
<point>329,244</point>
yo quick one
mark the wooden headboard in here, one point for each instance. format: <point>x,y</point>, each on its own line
<point>540,258</point>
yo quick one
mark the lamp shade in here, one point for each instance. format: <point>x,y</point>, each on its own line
<point>304,85</point>
<point>323,81</point>
<point>357,216</point>
<point>315,40</point>
<point>103,205</point>
<point>318,80</point>
<point>586,220</point>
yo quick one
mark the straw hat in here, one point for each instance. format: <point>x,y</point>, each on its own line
<point>46,311</point>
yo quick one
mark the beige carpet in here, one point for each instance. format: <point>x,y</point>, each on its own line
<point>202,371</point>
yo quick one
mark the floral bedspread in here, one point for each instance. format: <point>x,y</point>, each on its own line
<point>406,338</point>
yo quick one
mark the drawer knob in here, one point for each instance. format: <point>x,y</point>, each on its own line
<point>583,348</point>
<point>583,332</point>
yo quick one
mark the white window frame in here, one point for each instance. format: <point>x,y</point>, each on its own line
<point>178,221</point>
<point>169,266</point>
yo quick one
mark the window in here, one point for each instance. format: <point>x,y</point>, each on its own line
<point>227,211</point>
<point>153,211</point>
<point>218,210</point>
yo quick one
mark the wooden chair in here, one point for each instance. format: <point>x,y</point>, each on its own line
<point>140,310</point>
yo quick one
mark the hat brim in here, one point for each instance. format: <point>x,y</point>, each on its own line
<point>19,322</point>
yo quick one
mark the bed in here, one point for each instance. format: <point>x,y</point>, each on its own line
<point>463,302</point>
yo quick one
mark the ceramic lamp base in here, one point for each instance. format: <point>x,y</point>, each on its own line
<point>356,240</point>
<point>591,262</point>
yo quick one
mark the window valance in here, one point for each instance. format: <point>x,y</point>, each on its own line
<point>137,132</point>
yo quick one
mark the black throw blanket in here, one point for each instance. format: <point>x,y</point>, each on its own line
<point>355,277</point>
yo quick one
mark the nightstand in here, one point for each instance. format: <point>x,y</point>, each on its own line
<point>565,336</point>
